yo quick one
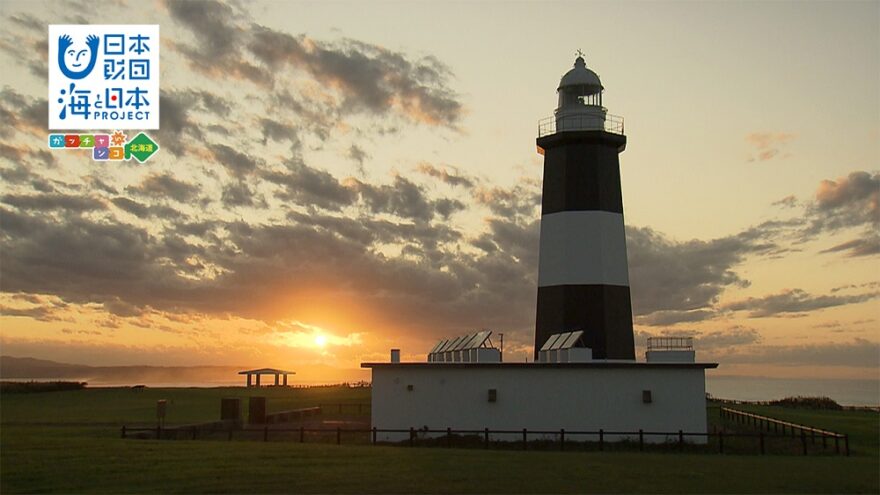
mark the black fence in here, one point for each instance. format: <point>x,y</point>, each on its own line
<point>721,442</point>
<point>788,429</point>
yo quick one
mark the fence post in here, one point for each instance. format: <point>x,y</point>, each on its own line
<point>601,439</point>
<point>525,441</point>
<point>846,444</point>
<point>230,435</point>
<point>837,443</point>
<point>562,439</point>
<point>302,434</point>
<point>641,440</point>
<point>813,436</point>
<point>158,433</point>
<point>412,436</point>
<point>804,441</point>
<point>195,432</point>
<point>448,437</point>
<point>680,440</point>
<point>762,442</point>
<point>486,438</point>
<point>721,442</point>
<point>374,435</point>
<point>123,431</point>
<point>338,435</point>
<point>824,441</point>
<point>266,433</point>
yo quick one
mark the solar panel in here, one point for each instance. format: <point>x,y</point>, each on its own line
<point>479,339</point>
<point>572,339</point>
<point>561,340</point>
<point>445,346</point>
<point>552,339</point>
<point>465,342</point>
<point>436,346</point>
<point>456,343</point>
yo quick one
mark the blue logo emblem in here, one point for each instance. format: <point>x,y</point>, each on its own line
<point>77,56</point>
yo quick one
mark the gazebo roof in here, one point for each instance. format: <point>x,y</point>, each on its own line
<point>266,371</point>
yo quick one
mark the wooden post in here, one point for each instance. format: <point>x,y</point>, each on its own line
<point>486,437</point>
<point>837,443</point>
<point>412,436</point>
<point>641,440</point>
<point>338,435</point>
<point>762,442</point>
<point>158,432</point>
<point>680,440</point>
<point>813,436</point>
<point>562,439</point>
<point>804,441</point>
<point>195,432</point>
<point>266,433</point>
<point>721,442</point>
<point>601,439</point>
<point>846,444</point>
<point>448,437</point>
<point>374,435</point>
<point>230,435</point>
<point>123,431</point>
<point>525,440</point>
<point>302,434</point>
<point>824,441</point>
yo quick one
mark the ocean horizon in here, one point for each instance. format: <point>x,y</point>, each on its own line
<point>846,392</point>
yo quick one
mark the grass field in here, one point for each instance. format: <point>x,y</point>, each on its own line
<point>69,442</point>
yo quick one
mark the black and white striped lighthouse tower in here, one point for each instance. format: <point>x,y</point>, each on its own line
<point>583,281</point>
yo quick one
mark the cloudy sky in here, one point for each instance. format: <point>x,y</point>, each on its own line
<point>367,173</point>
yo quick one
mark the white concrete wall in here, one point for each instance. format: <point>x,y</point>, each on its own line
<point>540,398</point>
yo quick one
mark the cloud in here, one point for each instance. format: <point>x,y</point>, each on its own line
<point>442,173</point>
<point>402,198</point>
<point>357,154</point>
<point>310,187</point>
<point>361,77</point>
<point>238,164</point>
<point>54,201</point>
<point>857,247</point>
<point>859,352</point>
<point>164,185</point>
<point>848,201</point>
<point>522,199</point>
<point>682,281</point>
<point>794,301</point>
<point>768,145</point>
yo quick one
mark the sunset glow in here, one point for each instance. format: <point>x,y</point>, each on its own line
<point>328,189</point>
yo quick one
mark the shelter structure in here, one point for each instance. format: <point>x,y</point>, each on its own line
<point>266,371</point>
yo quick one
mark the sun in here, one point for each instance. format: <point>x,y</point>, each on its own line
<point>320,340</point>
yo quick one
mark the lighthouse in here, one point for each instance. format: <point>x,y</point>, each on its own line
<point>583,280</point>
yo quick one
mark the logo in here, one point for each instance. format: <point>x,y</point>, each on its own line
<point>103,147</point>
<point>103,77</point>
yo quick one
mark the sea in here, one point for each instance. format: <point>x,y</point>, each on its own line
<point>843,391</point>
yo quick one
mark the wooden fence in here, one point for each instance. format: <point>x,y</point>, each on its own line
<point>563,439</point>
<point>766,423</point>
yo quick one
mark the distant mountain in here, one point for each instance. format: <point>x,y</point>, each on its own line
<point>24,367</point>
<point>18,368</point>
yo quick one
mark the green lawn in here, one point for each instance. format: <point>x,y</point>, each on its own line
<point>68,442</point>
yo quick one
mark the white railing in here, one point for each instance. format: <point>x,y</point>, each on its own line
<point>585,122</point>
